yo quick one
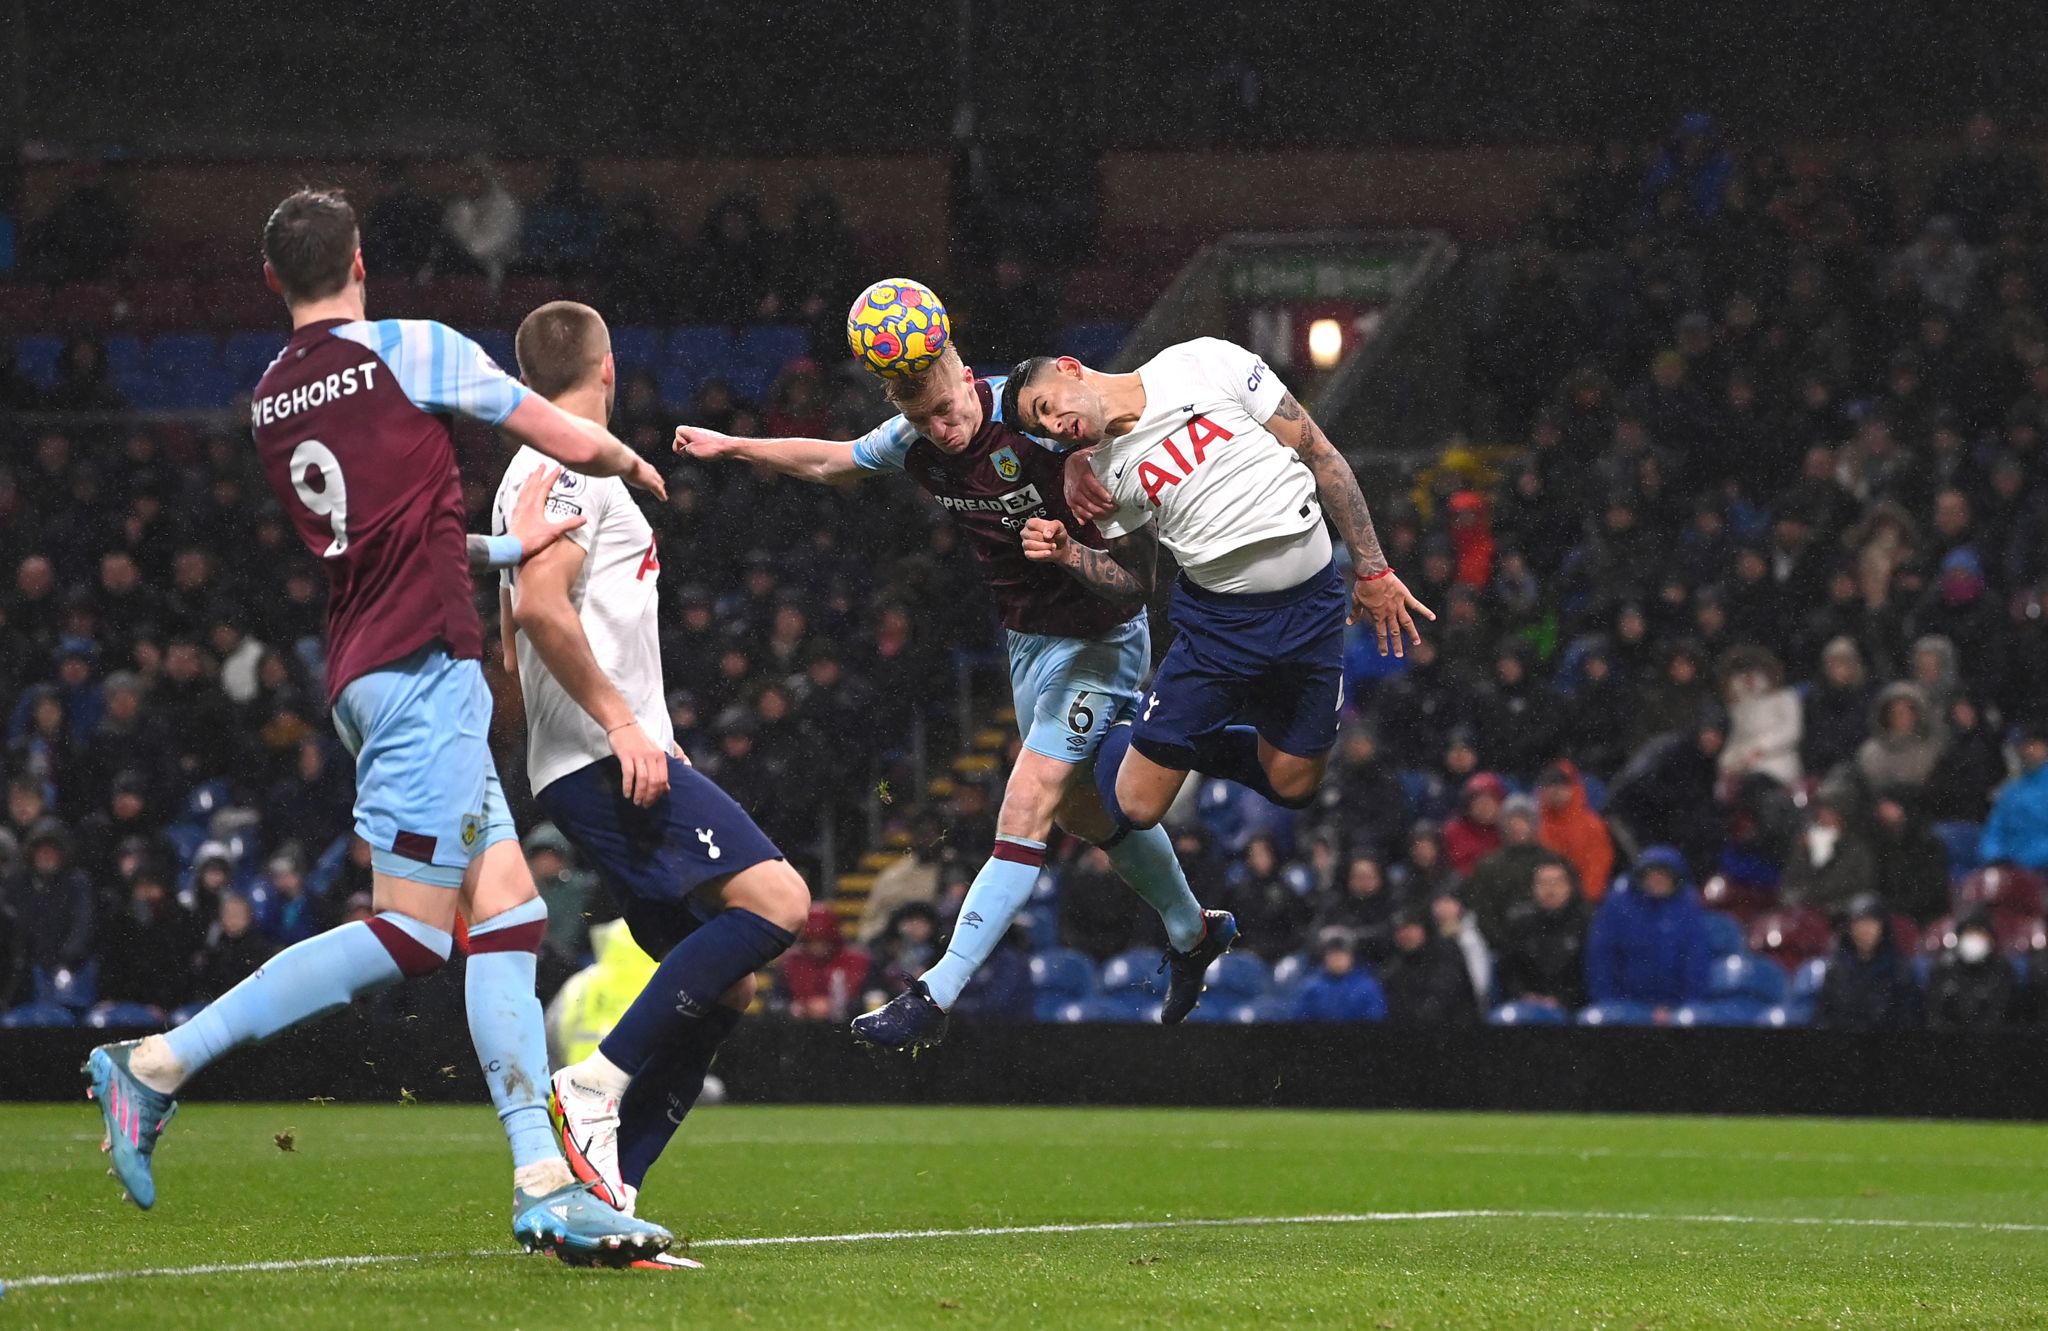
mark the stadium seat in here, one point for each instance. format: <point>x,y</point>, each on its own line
<point>245,356</point>
<point>1127,1006</point>
<point>1060,977</point>
<point>186,370</point>
<point>637,349</point>
<point>2003,888</point>
<point>1730,896</point>
<point>1724,933</point>
<point>1785,1015</point>
<point>1237,977</point>
<point>179,1016</point>
<point>1529,1014</point>
<point>1617,1014</point>
<point>123,1016</point>
<point>1807,980</point>
<point>37,1014</point>
<point>36,357</point>
<point>759,354</point>
<point>74,989</point>
<point>1289,972</point>
<point>1791,937</point>
<point>1744,975</point>
<point>1960,840</point>
<point>1719,1012</point>
<point>1133,972</point>
<point>1094,342</point>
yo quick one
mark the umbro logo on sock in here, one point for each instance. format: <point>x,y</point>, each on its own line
<point>971,917</point>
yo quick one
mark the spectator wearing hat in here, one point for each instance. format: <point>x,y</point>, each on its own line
<point>1362,800</point>
<point>1543,944</point>
<point>1961,608</point>
<point>1501,880</point>
<point>126,821</point>
<point>1906,741</point>
<point>285,912</point>
<point>1272,898</point>
<point>1649,942</point>
<point>125,739</point>
<point>1600,711</point>
<point>1832,863</point>
<point>822,977</point>
<point>1670,703</point>
<point>2017,832</point>
<point>1971,765</point>
<point>1423,870</point>
<point>41,747</point>
<point>52,900</point>
<point>1571,829</point>
<point>1474,831</point>
<point>1972,986</point>
<point>234,948</point>
<point>1342,987</point>
<point>1868,986</point>
<point>1426,981</point>
<point>570,893</point>
<point>1837,710</point>
<point>147,947</point>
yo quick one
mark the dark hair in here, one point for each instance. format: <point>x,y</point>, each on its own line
<point>1020,379</point>
<point>559,346</point>
<point>309,242</point>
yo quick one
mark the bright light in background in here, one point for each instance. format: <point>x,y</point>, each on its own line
<point>1325,343</point>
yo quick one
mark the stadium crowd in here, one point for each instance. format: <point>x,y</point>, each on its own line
<point>1727,715</point>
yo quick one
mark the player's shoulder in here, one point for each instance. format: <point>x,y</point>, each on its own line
<point>1207,352</point>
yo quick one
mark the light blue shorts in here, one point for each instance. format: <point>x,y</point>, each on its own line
<point>1069,691</point>
<point>427,793</point>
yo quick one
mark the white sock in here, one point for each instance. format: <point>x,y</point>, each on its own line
<point>598,1073</point>
<point>543,1177</point>
<point>155,1067</point>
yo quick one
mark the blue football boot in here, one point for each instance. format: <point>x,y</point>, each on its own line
<point>910,1021</point>
<point>135,1117</point>
<point>1190,968</point>
<point>574,1225</point>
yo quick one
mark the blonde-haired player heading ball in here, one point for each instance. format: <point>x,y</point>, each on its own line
<point>1077,661</point>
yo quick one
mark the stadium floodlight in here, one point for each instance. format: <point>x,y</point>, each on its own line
<point>1325,343</point>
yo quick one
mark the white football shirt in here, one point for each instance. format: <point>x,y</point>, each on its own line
<point>615,597</point>
<point>1201,462</point>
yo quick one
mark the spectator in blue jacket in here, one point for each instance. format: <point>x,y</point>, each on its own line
<point>1649,942</point>
<point>1341,990</point>
<point>2018,830</point>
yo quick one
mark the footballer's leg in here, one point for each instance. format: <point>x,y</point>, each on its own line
<point>699,836</point>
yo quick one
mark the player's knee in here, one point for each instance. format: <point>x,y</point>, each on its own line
<point>1142,809</point>
<point>1296,787</point>
<point>416,947</point>
<point>775,891</point>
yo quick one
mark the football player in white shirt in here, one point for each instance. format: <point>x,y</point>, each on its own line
<point>1203,450</point>
<point>700,887</point>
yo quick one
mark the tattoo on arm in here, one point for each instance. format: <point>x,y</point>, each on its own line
<point>1125,571</point>
<point>1336,487</point>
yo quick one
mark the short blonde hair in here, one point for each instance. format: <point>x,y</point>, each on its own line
<point>918,394</point>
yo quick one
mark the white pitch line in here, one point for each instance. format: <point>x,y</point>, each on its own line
<point>1096,1227</point>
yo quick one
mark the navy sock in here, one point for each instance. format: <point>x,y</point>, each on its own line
<point>655,1105</point>
<point>686,987</point>
<point>1233,754</point>
<point>1109,756</point>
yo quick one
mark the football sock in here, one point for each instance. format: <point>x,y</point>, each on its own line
<point>998,892</point>
<point>1233,754</point>
<point>307,980</point>
<point>662,1095</point>
<point>686,987</point>
<point>505,1026</point>
<point>1109,756</point>
<point>1144,859</point>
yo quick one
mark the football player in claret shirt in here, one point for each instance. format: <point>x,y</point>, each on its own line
<point>1203,450</point>
<point>351,422</point>
<point>1076,664</point>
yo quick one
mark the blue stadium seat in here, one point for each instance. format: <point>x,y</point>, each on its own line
<point>206,799</point>
<point>1068,1014</point>
<point>1596,792</point>
<point>123,1016</point>
<point>37,357</point>
<point>1529,1014</point>
<point>1063,971</point>
<point>1720,1012</point>
<point>1617,1014</point>
<point>497,344</point>
<point>37,1014</point>
<point>1785,1015</point>
<point>1746,976</point>
<point>245,356</point>
<point>691,356</point>
<point>1961,841</point>
<point>636,349</point>
<point>1806,981</point>
<point>1092,343</point>
<point>128,370</point>
<point>74,989</point>
<point>1724,934</point>
<point>1289,972</point>
<point>1237,977</point>
<point>1128,1006</point>
<point>187,370</point>
<point>1134,972</point>
<point>759,354</point>
<point>1272,1007</point>
<point>179,1016</point>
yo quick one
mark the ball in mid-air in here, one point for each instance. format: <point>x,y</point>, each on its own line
<point>897,327</point>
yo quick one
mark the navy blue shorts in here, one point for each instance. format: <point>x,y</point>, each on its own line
<point>653,859</point>
<point>1270,660</point>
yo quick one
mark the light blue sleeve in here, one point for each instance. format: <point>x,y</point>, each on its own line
<point>884,447</point>
<point>439,368</point>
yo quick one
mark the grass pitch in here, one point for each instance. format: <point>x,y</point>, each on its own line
<point>1427,1220</point>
